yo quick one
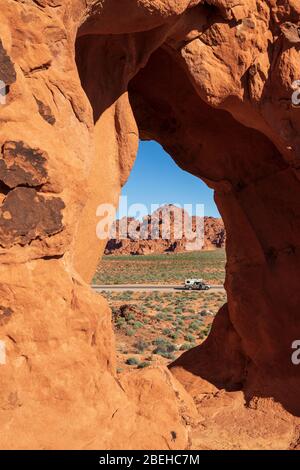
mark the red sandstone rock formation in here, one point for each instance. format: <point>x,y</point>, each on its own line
<point>212,82</point>
<point>133,237</point>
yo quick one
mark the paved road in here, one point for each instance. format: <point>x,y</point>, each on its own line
<point>149,288</point>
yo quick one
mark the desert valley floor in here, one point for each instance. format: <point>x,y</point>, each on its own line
<point>156,327</point>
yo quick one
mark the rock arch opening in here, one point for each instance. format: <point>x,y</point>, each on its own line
<point>167,230</point>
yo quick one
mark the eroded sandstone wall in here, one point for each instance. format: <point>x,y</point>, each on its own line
<point>211,81</point>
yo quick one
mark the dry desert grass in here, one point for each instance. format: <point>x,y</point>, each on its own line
<point>162,268</point>
<point>157,327</point>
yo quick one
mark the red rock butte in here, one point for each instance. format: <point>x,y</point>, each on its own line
<point>169,229</point>
<point>211,81</point>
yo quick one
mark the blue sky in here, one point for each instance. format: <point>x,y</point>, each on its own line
<point>156,179</point>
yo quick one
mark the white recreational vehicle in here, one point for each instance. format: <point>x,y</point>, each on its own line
<point>195,284</point>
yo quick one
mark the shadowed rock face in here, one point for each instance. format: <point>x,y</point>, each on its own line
<point>8,73</point>
<point>21,165</point>
<point>212,82</point>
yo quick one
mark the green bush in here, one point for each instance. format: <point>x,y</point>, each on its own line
<point>195,325</point>
<point>144,364</point>
<point>178,310</point>
<point>163,347</point>
<point>190,310</point>
<point>167,355</point>
<point>174,335</point>
<point>187,346</point>
<point>130,332</point>
<point>166,331</point>
<point>160,316</point>
<point>189,337</point>
<point>141,345</point>
<point>120,322</point>
<point>167,310</point>
<point>132,361</point>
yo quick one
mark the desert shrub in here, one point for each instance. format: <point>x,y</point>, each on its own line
<point>131,316</point>
<point>160,316</point>
<point>195,325</point>
<point>168,355</point>
<point>178,310</point>
<point>185,347</point>
<point>190,310</point>
<point>129,332</point>
<point>158,341</point>
<point>163,347</point>
<point>141,345</point>
<point>143,364</point>
<point>173,335</point>
<point>166,331</point>
<point>206,331</point>
<point>114,311</point>
<point>178,322</point>
<point>120,322</point>
<point>138,324</point>
<point>132,361</point>
<point>189,337</point>
<point>126,295</point>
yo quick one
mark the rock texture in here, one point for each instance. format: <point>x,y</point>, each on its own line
<point>133,237</point>
<point>212,82</point>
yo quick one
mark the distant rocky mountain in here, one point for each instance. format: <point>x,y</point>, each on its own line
<point>168,220</point>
